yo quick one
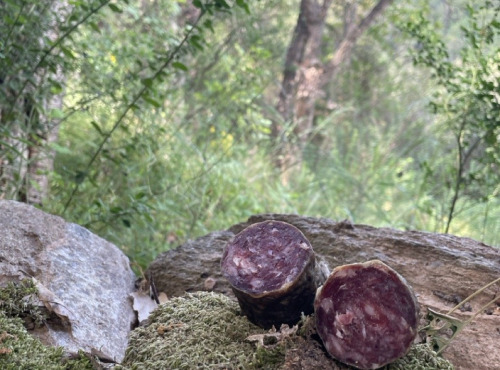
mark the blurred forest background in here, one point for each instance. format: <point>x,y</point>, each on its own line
<point>151,122</point>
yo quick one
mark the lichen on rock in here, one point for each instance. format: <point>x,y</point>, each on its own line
<point>207,331</point>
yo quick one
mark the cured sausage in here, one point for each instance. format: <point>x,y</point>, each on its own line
<point>273,272</point>
<point>366,315</point>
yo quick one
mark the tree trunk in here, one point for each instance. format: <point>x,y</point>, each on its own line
<point>305,75</point>
<point>302,68</point>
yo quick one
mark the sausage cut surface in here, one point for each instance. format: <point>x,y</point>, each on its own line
<point>366,315</point>
<point>271,267</point>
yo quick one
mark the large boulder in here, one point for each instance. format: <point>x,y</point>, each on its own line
<point>443,269</point>
<point>83,281</point>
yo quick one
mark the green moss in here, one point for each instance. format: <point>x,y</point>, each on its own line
<point>200,330</point>
<point>270,357</point>
<point>19,349</point>
<point>421,357</point>
<point>206,331</point>
<point>16,301</point>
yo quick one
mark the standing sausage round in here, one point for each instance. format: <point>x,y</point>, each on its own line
<point>273,272</point>
<point>366,315</point>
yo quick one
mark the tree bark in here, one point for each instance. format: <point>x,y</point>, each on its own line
<point>344,50</point>
<point>302,68</point>
<point>305,75</point>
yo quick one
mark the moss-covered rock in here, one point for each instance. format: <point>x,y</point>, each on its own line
<point>16,300</point>
<point>207,331</point>
<point>19,349</point>
<point>199,330</point>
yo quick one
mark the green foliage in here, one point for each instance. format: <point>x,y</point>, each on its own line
<point>365,160</point>
<point>36,50</point>
<point>189,42</point>
<point>173,169</point>
<point>467,103</point>
<point>164,131</point>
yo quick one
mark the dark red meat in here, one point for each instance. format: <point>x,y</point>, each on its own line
<point>366,315</point>
<point>273,272</point>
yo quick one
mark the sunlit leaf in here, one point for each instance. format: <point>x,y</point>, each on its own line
<point>56,113</point>
<point>222,4</point>
<point>198,4</point>
<point>179,65</point>
<point>243,4</point>
<point>148,82</point>
<point>155,103</point>
<point>115,8</point>
<point>67,52</point>
<point>96,126</point>
<point>80,176</point>
<point>95,27</point>
<point>56,88</point>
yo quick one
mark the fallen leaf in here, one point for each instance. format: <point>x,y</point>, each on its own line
<point>163,298</point>
<point>143,305</point>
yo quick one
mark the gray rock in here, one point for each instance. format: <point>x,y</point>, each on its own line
<point>436,265</point>
<point>84,280</point>
<point>195,266</point>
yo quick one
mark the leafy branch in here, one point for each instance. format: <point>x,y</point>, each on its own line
<point>191,38</point>
<point>467,103</point>
<point>49,51</point>
<point>147,84</point>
